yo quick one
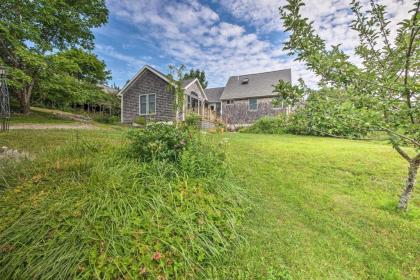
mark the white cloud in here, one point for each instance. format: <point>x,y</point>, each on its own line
<point>109,51</point>
<point>191,33</point>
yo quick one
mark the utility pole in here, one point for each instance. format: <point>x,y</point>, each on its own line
<point>4,101</point>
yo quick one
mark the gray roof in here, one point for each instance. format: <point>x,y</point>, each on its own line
<point>213,94</point>
<point>187,82</point>
<point>259,84</point>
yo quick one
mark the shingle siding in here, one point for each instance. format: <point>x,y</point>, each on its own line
<point>239,113</point>
<point>148,83</point>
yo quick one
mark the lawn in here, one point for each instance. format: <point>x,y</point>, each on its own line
<point>324,209</point>
<point>320,208</point>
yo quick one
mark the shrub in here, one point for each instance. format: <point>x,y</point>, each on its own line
<point>305,122</point>
<point>269,125</point>
<point>192,121</point>
<point>158,142</point>
<point>140,121</point>
<point>108,119</point>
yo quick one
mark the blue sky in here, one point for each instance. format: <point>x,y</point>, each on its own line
<point>223,38</point>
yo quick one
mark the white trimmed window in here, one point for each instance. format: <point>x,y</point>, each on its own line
<point>147,104</point>
<point>253,104</point>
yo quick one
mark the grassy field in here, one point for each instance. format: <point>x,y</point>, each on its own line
<point>321,208</point>
<point>325,209</point>
<point>38,117</point>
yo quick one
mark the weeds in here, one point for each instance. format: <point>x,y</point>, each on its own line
<point>88,211</point>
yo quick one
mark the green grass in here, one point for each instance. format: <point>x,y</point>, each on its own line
<point>84,209</point>
<point>322,208</point>
<point>35,117</point>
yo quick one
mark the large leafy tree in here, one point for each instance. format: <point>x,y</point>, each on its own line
<point>381,94</point>
<point>29,30</point>
<point>199,74</point>
<point>71,78</point>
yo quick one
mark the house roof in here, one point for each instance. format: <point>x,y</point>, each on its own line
<point>213,94</point>
<point>187,82</point>
<point>254,85</point>
<point>138,74</point>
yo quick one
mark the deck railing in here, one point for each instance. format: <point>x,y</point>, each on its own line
<point>205,113</point>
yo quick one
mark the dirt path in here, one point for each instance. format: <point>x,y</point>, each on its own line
<point>64,115</point>
<point>53,126</point>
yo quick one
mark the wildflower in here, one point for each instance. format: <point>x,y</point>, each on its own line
<point>157,256</point>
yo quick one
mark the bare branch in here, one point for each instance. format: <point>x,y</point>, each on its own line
<point>402,153</point>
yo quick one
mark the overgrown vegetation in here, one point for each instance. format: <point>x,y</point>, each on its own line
<point>319,116</point>
<point>89,210</point>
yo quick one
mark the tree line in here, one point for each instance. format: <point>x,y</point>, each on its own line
<point>47,49</point>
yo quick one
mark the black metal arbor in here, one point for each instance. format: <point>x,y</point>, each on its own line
<point>4,101</point>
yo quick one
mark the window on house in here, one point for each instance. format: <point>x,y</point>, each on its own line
<point>152,103</point>
<point>253,104</point>
<point>229,102</point>
<point>147,104</point>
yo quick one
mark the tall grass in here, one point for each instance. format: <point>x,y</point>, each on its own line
<point>86,211</point>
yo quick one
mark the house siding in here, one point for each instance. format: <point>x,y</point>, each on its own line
<point>148,83</point>
<point>238,113</point>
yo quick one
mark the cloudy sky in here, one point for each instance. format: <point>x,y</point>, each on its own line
<point>224,38</point>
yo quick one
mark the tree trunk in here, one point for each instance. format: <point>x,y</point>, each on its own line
<point>24,98</point>
<point>24,102</point>
<point>409,185</point>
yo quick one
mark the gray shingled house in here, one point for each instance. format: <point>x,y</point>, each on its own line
<point>247,98</point>
<point>242,101</point>
<point>147,95</point>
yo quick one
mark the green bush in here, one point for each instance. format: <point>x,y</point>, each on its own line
<point>140,120</point>
<point>269,125</point>
<point>192,121</point>
<point>108,119</point>
<point>305,122</point>
<point>158,141</point>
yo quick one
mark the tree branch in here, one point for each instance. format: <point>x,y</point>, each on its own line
<point>408,55</point>
<point>400,135</point>
<point>382,24</point>
<point>402,153</point>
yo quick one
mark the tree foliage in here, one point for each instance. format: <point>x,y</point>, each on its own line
<point>31,32</point>
<point>383,93</point>
<point>199,74</point>
<point>176,76</point>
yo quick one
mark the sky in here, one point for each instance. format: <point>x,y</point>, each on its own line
<point>223,38</point>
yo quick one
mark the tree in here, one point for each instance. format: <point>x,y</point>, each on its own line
<point>31,29</point>
<point>72,77</point>
<point>199,74</point>
<point>383,93</point>
<point>176,76</point>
